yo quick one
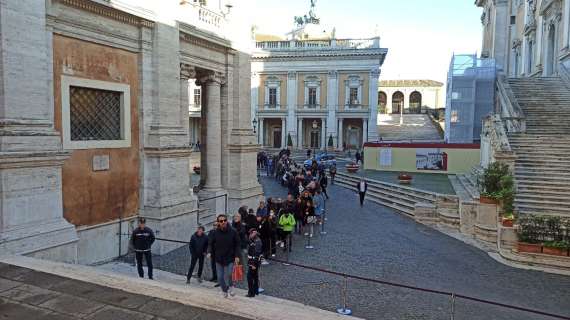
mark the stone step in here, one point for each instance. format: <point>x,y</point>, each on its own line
<point>532,180</point>
<point>542,169</point>
<point>390,187</point>
<point>532,209</point>
<point>538,156</point>
<point>468,186</point>
<point>522,187</point>
<point>527,211</point>
<point>543,174</point>
<point>560,205</point>
<point>543,197</point>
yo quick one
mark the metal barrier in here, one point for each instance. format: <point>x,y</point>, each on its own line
<point>344,307</point>
<point>225,196</point>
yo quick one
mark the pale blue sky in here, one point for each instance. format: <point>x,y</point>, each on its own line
<point>421,35</point>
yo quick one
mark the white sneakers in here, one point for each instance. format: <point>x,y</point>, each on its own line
<point>231,291</point>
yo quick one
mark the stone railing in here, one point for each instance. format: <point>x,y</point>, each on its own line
<point>337,44</point>
<point>508,108</point>
<point>202,17</point>
<point>564,74</point>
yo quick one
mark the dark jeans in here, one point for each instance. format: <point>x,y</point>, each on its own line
<point>324,190</point>
<point>266,245</point>
<point>213,265</point>
<point>200,260</point>
<point>252,281</point>
<point>225,275</point>
<point>148,258</point>
<point>362,194</point>
<point>288,239</point>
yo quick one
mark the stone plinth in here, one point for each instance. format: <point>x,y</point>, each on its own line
<point>486,223</point>
<point>426,213</point>
<point>468,217</point>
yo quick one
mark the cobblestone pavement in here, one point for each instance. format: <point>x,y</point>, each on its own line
<point>30,295</point>
<point>376,242</point>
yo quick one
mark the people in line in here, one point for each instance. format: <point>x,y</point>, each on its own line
<point>198,250</point>
<point>141,240</point>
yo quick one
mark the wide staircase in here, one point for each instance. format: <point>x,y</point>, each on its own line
<point>414,127</point>
<point>542,165</point>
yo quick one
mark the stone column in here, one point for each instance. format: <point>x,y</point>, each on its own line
<point>373,106</point>
<point>291,105</point>
<point>261,132</point>
<point>31,154</point>
<point>340,134</point>
<point>332,104</point>
<point>283,134</point>
<point>186,73</point>
<point>323,133</point>
<point>300,134</point>
<point>365,137</point>
<point>213,82</point>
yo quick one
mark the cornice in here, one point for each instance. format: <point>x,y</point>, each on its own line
<point>109,12</point>
<point>193,35</point>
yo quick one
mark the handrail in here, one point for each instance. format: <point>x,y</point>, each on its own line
<point>508,108</point>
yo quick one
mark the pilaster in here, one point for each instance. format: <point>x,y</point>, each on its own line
<point>291,106</point>
<point>372,130</point>
<point>332,104</point>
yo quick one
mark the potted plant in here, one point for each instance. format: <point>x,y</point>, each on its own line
<point>556,248</point>
<point>404,178</point>
<point>529,233</point>
<point>491,182</point>
<point>508,219</point>
<point>352,167</point>
<point>289,141</point>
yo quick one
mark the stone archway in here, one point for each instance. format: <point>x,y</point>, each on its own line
<point>397,102</point>
<point>415,102</point>
<point>382,101</point>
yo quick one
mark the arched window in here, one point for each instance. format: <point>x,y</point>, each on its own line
<point>382,100</point>
<point>415,102</point>
<point>397,102</point>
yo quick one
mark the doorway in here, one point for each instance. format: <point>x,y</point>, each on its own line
<point>315,138</point>
<point>277,137</point>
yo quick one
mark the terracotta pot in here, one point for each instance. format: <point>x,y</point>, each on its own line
<point>507,222</point>
<point>352,169</point>
<point>555,251</point>
<point>405,181</point>
<point>487,200</point>
<point>529,247</point>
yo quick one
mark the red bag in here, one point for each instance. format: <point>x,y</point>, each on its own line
<point>237,273</point>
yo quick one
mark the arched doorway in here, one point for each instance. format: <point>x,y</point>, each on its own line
<point>550,50</point>
<point>415,102</point>
<point>397,102</point>
<point>382,100</point>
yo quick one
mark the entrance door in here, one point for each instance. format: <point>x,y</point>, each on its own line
<point>353,138</point>
<point>277,138</point>
<point>315,138</point>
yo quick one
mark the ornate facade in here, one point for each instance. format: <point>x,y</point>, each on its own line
<point>94,128</point>
<point>312,90</point>
<point>526,37</point>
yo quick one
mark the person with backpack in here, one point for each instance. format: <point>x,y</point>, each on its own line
<point>198,250</point>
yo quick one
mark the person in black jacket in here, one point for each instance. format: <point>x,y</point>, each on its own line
<point>241,229</point>
<point>198,250</point>
<point>142,239</point>
<point>323,182</point>
<point>212,261</point>
<point>224,246</point>
<point>362,187</point>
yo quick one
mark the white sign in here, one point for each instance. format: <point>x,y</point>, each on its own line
<point>386,157</point>
<point>101,162</point>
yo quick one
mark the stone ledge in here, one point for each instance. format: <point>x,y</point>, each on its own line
<point>261,308</point>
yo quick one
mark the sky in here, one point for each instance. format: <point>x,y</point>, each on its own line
<point>421,35</point>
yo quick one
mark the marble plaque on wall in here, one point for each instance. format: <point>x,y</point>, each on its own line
<point>101,162</point>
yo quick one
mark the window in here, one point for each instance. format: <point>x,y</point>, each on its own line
<point>273,97</point>
<point>454,116</point>
<point>197,97</point>
<point>312,97</point>
<point>95,114</point>
<point>354,96</point>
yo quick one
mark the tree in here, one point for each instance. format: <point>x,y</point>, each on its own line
<point>289,140</point>
<point>331,143</point>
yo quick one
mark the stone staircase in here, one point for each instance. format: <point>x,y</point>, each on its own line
<point>415,127</point>
<point>542,165</point>
<point>394,196</point>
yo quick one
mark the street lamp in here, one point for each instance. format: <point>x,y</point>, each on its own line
<point>254,122</point>
<point>315,126</point>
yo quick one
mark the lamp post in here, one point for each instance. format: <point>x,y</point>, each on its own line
<point>254,122</point>
<point>315,126</point>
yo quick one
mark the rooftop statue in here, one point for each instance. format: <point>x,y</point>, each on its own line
<point>312,18</point>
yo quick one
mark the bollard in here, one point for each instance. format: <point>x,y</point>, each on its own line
<point>344,310</point>
<point>452,306</point>
<point>309,246</point>
<point>323,221</point>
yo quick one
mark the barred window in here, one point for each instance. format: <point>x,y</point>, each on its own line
<point>94,114</point>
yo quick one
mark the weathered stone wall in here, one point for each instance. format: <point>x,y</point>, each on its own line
<point>91,197</point>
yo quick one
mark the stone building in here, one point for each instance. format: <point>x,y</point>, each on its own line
<point>311,86</point>
<point>94,123</point>
<point>410,96</point>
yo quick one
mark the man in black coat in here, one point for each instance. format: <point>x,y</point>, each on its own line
<point>212,261</point>
<point>198,250</point>
<point>142,239</point>
<point>362,187</point>
<point>224,247</point>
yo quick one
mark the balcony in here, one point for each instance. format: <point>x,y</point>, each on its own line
<point>333,44</point>
<point>270,110</point>
<point>202,17</point>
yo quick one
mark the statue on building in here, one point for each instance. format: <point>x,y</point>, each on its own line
<point>311,19</point>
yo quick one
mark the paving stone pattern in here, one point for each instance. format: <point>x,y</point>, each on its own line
<point>376,242</point>
<point>28,294</point>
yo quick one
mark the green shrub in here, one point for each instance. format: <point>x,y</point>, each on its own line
<point>331,143</point>
<point>491,181</point>
<point>289,140</point>
<point>544,229</point>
